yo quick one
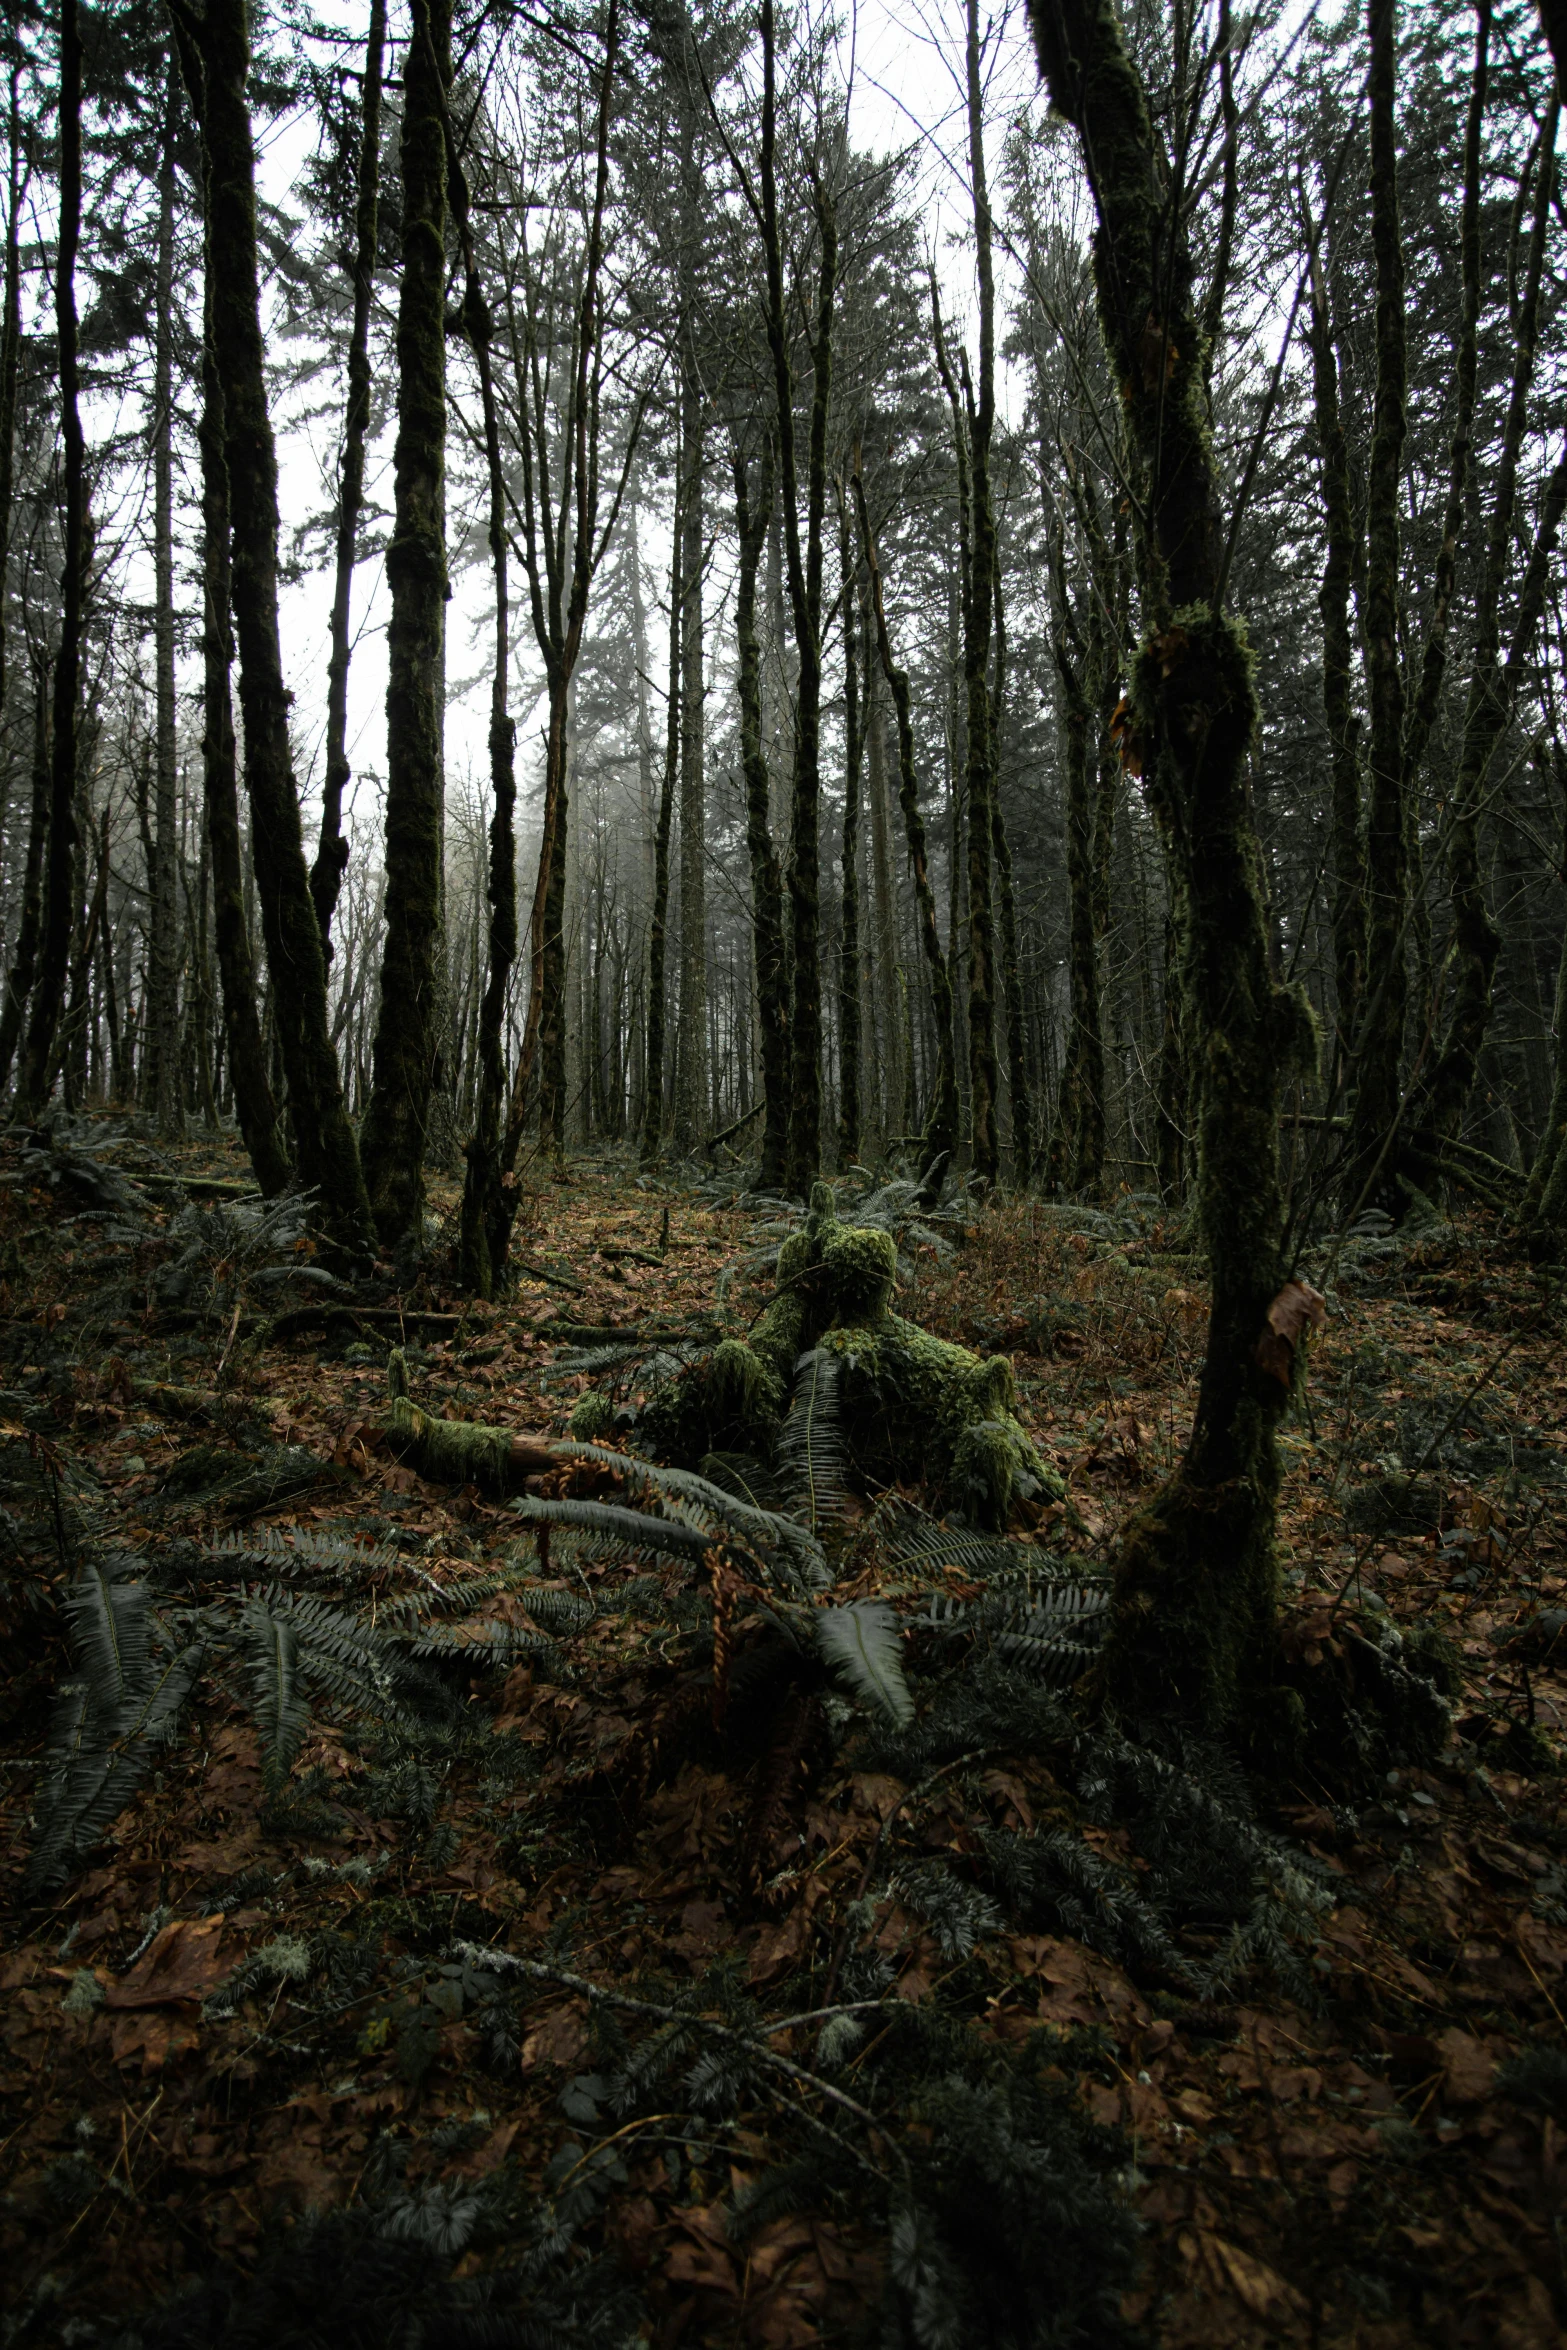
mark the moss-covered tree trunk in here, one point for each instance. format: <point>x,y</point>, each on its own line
<point>326,874</point>
<point>215,59</point>
<point>1196,1589</point>
<point>940,1135</point>
<point>1374,1123</point>
<point>396,1121</point>
<point>48,992</point>
<point>753,518</point>
<point>849,867</point>
<point>254,1105</point>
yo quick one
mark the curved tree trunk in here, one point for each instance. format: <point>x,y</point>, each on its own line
<point>1196,1592</point>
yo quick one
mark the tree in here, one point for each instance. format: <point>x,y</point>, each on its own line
<point>1196,1587</point>
<point>396,1123</point>
<point>214,50</point>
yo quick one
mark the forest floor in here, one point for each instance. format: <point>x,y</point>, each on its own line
<point>1365,2163</point>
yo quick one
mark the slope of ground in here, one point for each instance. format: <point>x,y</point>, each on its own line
<point>253,2001</point>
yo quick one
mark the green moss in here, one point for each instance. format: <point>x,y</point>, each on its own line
<point>593,1417</point>
<point>915,1409</point>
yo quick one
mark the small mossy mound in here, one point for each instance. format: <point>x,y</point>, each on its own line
<point>912,1407</point>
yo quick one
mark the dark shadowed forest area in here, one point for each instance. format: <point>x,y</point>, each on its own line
<point>783,1195</point>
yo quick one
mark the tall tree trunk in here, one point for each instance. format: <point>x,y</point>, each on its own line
<point>48,994</point>
<point>397,1121</point>
<point>658,923</point>
<point>10,361</point>
<point>891,1015</point>
<point>163,1027</point>
<point>326,875</point>
<point>1196,1586</point>
<point>1079,1116</point>
<point>691,1069</point>
<point>1476,939</point>
<point>215,58</point>
<point>940,1137</point>
<point>805,595</point>
<point>767,921</point>
<point>254,1106</point>
<point>1011,977</point>
<point>1349,893</point>
<point>486,1213</point>
<point>1374,1123</point>
<point>980,778</point>
<point>849,868</point>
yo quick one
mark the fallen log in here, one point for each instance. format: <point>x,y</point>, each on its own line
<point>459,1452</point>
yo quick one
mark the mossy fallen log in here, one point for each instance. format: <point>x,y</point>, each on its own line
<point>458,1452</point>
<point>913,1408</point>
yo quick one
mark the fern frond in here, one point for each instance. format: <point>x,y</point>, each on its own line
<point>282,1712</point>
<point>286,1549</point>
<point>630,1527</point>
<point>862,1644</point>
<point>560,1613</point>
<point>812,1455</point>
<point>769,1535</point>
<point>108,1619</point>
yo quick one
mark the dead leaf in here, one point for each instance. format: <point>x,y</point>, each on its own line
<point>560,2038</point>
<point>1297,1308</point>
<point>180,1968</point>
<point>153,2037</point>
<point>1467,2071</point>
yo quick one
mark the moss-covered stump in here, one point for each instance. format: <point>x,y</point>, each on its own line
<point>910,1407</point>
